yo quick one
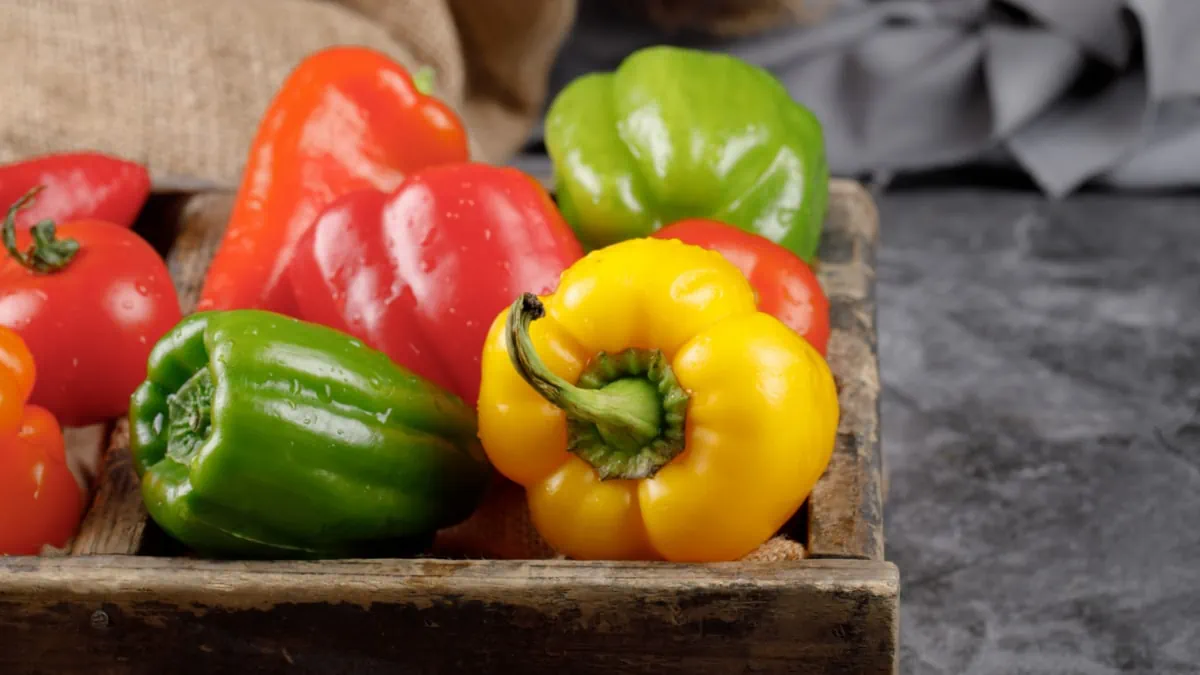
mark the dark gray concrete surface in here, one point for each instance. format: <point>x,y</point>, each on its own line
<point>1041,369</point>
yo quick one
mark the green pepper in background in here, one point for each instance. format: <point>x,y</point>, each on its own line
<point>677,133</point>
<point>257,435</point>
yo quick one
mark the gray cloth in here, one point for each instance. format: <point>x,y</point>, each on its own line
<point>1071,91</point>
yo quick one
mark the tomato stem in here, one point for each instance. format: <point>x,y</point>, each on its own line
<point>47,253</point>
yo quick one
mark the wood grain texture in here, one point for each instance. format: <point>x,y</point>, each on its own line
<point>116,519</point>
<point>85,449</point>
<point>202,220</point>
<point>144,615</point>
<point>846,506</point>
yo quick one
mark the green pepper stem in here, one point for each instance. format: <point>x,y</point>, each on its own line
<point>425,80</point>
<point>48,253</point>
<point>189,416</point>
<point>628,419</point>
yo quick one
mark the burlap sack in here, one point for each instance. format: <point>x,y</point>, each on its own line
<point>180,85</point>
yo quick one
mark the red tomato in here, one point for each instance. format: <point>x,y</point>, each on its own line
<point>40,502</point>
<point>786,286</point>
<point>89,317</point>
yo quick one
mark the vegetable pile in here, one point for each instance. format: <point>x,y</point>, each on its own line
<point>388,327</point>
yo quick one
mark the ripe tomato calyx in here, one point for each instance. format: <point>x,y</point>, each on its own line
<point>47,253</point>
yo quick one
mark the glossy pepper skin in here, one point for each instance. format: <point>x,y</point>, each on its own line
<point>676,133</point>
<point>421,272</point>
<point>786,286</point>
<point>346,119</point>
<point>651,412</point>
<point>258,435</point>
<point>40,502</point>
<point>76,186</point>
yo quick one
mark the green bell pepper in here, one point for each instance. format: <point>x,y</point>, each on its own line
<point>257,435</point>
<point>677,133</point>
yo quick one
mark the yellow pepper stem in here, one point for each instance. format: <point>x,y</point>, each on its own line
<point>626,415</point>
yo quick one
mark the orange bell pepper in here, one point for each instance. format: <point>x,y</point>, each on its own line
<point>346,119</point>
<point>40,502</point>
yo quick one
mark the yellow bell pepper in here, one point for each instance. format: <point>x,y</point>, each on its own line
<point>696,425</point>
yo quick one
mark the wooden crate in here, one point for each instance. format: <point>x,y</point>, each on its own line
<point>119,604</point>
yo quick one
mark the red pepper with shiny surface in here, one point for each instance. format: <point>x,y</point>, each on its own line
<point>421,272</point>
<point>76,186</point>
<point>786,286</point>
<point>347,118</point>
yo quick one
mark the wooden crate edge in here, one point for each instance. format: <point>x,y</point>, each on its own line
<point>133,615</point>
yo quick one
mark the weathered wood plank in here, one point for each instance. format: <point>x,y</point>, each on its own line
<point>116,519</point>
<point>846,506</point>
<point>201,226</point>
<point>85,449</point>
<point>183,227</point>
<point>144,615</point>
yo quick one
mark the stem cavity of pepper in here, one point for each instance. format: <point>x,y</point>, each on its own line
<point>47,253</point>
<point>626,416</point>
<point>189,416</point>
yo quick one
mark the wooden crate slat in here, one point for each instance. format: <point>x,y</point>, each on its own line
<point>846,506</point>
<point>202,222</point>
<point>85,450</point>
<point>117,517</point>
<point>128,614</point>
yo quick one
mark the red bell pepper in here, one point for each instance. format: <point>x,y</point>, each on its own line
<point>76,186</point>
<point>421,273</point>
<point>346,119</point>
<point>40,502</point>
<point>786,286</point>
